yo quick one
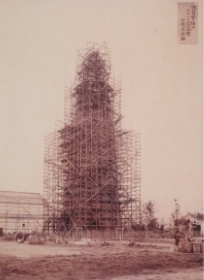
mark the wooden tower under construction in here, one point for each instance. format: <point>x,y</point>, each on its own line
<point>92,166</point>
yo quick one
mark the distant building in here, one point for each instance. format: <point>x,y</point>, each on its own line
<point>196,220</point>
<point>21,210</point>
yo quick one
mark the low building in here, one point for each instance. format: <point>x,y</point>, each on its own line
<point>196,220</point>
<point>21,210</point>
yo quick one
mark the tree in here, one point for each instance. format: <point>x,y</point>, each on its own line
<point>176,214</point>
<point>148,214</point>
<point>162,224</point>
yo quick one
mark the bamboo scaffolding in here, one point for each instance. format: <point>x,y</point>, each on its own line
<point>92,176</point>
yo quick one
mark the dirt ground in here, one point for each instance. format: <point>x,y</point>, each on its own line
<point>114,261</point>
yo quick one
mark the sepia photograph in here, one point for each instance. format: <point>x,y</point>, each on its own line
<point>101,140</point>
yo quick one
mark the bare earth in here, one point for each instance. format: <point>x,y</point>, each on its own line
<point>116,261</point>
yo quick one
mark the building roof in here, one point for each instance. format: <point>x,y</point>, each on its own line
<point>198,217</point>
<point>11,197</point>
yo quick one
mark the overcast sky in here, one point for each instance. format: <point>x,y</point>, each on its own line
<point>161,88</point>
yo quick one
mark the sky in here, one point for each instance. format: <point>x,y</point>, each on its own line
<point>162,89</point>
